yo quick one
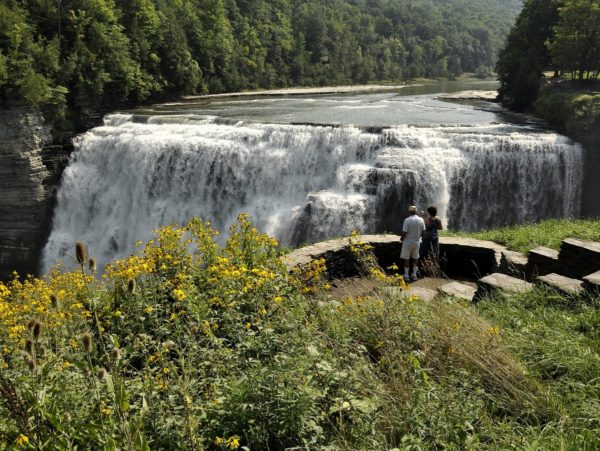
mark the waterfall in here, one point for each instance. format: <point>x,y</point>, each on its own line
<point>303,183</point>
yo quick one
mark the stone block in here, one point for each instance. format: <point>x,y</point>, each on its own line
<point>469,257</point>
<point>579,258</point>
<point>542,260</point>
<point>426,294</point>
<point>459,290</point>
<point>563,284</point>
<point>498,281</point>
<point>591,282</point>
<point>513,263</point>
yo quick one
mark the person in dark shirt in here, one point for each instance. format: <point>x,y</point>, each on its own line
<point>430,246</point>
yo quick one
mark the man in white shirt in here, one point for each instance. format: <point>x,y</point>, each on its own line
<point>412,230</point>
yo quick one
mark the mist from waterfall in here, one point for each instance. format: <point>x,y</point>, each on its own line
<point>303,183</point>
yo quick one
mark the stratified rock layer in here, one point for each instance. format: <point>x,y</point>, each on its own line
<point>26,187</point>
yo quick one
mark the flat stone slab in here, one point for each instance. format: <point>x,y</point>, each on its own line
<point>498,281</point>
<point>459,290</point>
<point>513,263</point>
<point>562,283</point>
<point>544,253</point>
<point>592,281</point>
<point>590,247</point>
<point>420,292</point>
<point>578,258</point>
<point>542,260</point>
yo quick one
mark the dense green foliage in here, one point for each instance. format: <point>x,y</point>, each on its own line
<point>192,346</point>
<point>574,111</point>
<point>549,233</point>
<point>558,35</point>
<point>93,52</point>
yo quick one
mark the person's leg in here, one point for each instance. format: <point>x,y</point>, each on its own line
<point>415,257</point>
<point>405,256</point>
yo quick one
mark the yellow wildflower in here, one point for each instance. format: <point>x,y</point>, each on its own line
<point>178,294</point>
<point>219,441</point>
<point>148,309</point>
<point>493,331</point>
<point>22,440</point>
<point>233,442</point>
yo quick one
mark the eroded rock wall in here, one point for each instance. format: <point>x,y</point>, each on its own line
<point>30,169</point>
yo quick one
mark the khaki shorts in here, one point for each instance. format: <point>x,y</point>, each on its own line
<point>409,250</point>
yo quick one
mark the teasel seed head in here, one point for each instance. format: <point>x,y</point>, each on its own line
<point>54,301</point>
<point>30,324</point>
<point>92,264</point>
<point>29,346</point>
<point>102,373</point>
<point>131,286</point>
<point>66,417</point>
<point>87,342</point>
<point>80,253</point>
<point>115,354</point>
<point>43,352</point>
<point>37,329</point>
<point>30,361</point>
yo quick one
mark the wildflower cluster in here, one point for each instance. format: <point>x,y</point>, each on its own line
<point>368,265</point>
<point>165,347</point>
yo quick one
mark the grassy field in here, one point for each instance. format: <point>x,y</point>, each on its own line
<point>549,233</point>
<point>193,346</point>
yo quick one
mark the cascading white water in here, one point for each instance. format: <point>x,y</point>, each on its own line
<point>303,183</point>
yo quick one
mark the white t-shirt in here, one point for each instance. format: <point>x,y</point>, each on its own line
<point>413,226</point>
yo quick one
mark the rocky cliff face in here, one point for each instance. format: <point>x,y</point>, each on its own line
<point>30,168</point>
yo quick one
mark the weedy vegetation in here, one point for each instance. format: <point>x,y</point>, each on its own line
<point>189,345</point>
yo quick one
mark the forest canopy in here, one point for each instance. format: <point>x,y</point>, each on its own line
<point>103,52</point>
<point>549,35</point>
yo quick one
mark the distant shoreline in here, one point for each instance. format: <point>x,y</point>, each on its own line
<point>302,91</point>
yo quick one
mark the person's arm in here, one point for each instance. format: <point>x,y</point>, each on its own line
<point>439,224</point>
<point>404,231</point>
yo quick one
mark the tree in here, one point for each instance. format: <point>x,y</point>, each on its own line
<point>525,56</point>
<point>576,44</point>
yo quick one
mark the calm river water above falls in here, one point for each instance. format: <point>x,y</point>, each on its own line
<point>309,167</point>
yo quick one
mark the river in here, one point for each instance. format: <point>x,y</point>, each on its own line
<point>312,166</point>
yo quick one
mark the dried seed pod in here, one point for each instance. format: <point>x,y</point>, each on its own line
<point>80,253</point>
<point>102,373</point>
<point>131,286</point>
<point>92,264</point>
<point>37,329</point>
<point>87,342</point>
<point>43,352</point>
<point>115,354</point>
<point>30,362</point>
<point>54,301</point>
<point>29,346</point>
<point>30,324</point>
